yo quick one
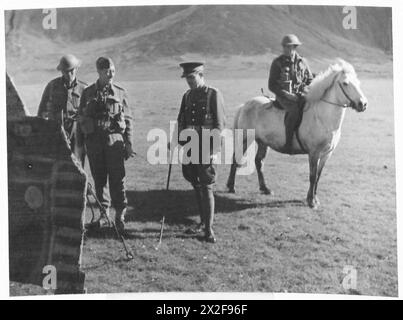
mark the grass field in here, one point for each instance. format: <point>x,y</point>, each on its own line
<point>265,243</point>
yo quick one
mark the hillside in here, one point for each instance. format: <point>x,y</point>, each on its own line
<point>145,40</point>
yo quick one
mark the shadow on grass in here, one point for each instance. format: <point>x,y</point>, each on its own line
<point>285,203</point>
<point>179,206</point>
<point>146,233</point>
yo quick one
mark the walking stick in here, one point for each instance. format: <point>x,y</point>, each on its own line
<point>169,176</point>
<point>163,217</point>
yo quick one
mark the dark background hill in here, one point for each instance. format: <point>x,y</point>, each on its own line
<point>244,35</point>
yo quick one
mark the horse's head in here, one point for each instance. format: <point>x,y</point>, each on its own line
<point>349,87</point>
<point>341,82</point>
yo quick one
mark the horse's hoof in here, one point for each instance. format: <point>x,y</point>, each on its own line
<point>230,189</point>
<point>266,191</point>
<point>210,238</point>
<point>313,205</point>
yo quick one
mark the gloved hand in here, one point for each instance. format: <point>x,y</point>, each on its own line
<point>305,90</point>
<point>291,96</point>
<point>129,152</point>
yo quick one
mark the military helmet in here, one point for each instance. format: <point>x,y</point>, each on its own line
<point>68,62</point>
<point>290,40</point>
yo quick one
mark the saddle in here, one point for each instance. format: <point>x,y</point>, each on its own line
<point>278,105</point>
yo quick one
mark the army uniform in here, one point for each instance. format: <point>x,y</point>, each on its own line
<point>288,79</point>
<point>60,102</point>
<point>106,122</point>
<point>289,75</point>
<point>202,108</point>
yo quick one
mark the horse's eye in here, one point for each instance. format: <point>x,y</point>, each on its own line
<point>345,83</point>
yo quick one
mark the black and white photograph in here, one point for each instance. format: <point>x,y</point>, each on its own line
<point>201,148</point>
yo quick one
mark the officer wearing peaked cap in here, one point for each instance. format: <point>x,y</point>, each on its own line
<point>289,77</point>
<point>60,101</point>
<point>202,108</point>
<point>106,122</point>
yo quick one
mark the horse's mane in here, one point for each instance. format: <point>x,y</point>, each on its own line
<point>325,79</point>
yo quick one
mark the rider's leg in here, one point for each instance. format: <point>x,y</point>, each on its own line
<point>291,122</point>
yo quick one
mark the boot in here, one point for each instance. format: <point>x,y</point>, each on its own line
<point>209,204</point>
<point>120,218</point>
<point>289,134</point>
<point>104,219</point>
<point>291,123</point>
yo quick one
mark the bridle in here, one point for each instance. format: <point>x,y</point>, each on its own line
<point>346,95</point>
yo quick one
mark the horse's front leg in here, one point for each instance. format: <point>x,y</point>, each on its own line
<point>313,180</point>
<point>259,162</point>
<point>231,178</point>
<point>236,158</point>
<point>321,165</point>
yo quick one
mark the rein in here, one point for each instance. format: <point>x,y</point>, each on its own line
<point>338,104</point>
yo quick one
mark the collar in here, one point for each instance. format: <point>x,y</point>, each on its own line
<point>204,88</point>
<point>72,86</point>
<point>108,88</point>
<point>297,57</point>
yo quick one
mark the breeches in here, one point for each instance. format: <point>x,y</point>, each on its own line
<point>288,105</point>
<point>199,174</point>
<point>106,159</point>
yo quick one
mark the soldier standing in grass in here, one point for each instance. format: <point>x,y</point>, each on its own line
<point>202,109</point>
<point>106,122</point>
<point>289,76</point>
<point>61,99</point>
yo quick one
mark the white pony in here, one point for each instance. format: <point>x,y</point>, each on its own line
<point>329,94</point>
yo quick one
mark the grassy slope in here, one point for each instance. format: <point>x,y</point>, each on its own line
<point>266,243</point>
<point>227,37</point>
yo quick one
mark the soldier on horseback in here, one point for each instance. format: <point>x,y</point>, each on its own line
<point>289,75</point>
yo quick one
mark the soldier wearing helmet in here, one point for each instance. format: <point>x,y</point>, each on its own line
<point>61,99</point>
<point>106,123</point>
<point>289,76</point>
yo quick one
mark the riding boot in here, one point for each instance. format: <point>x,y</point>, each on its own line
<point>120,219</point>
<point>199,200</point>
<point>291,123</point>
<point>209,204</point>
